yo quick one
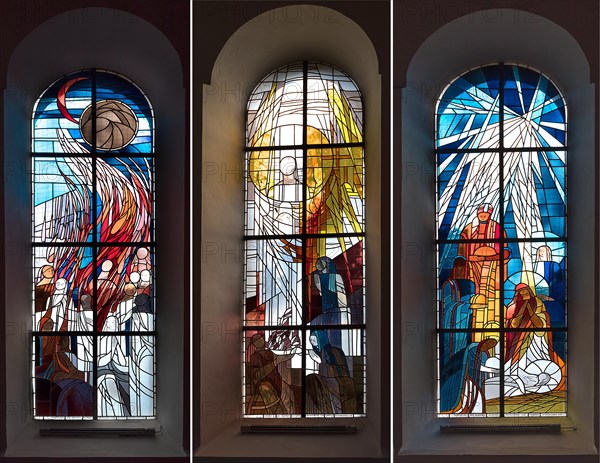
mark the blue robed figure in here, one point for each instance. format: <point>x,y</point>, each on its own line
<point>334,306</point>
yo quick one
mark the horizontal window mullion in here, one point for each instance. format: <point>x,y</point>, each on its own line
<point>503,240</point>
<point>93,333</point>
<point>499,150</point>
<point>500,330</point>
<point>93,154</point>
<point>304,327</point>
<point>301,236</point>
<point>302,146</point>
<point>99,244</point>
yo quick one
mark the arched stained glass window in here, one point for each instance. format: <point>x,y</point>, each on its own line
<point>93,249</point>
<point>304,312</point>
<point>501,244</point>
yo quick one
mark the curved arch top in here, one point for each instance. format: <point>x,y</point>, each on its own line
<point>501,213</point>
<point>501,40</point>
<point>264,43</point>
<point>469,109</point>
<point>119,51</point>
<point>333,107</point>
<point>304,285</point>
<point>314,33</point>
<point>62,115</point>
<point>93,260</point>
<point>77,39</point>
<point>537,44</point>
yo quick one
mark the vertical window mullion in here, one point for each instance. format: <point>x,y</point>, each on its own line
<point>304,230</point>
<point>76,153</point>
<point>330,120</point>
<point>502,240</point>
<point>95,231</point>
<point>531,128</point>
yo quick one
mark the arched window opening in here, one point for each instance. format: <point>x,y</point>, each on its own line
<point>501,244</point>
<point>93,249</point>
<point>304,311</point>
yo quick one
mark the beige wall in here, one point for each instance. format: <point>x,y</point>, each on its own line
<point>61,45</point>
<point>470,41</point>
<point>260,46</point>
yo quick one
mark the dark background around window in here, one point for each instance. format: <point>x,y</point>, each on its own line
<point>214,23</point>
<point>18,19</point>
<point>414,22</point>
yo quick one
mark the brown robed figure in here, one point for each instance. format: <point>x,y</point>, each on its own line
<point>482,257</point>
<point>270,395</point>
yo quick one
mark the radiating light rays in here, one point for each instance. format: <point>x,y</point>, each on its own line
<point>526,130</point>
<point>479,129</point>
<point>533,111</point>
<point>524,127</point>
<point>501,239</point>
<point>481,185</point>
<point>523,185</point>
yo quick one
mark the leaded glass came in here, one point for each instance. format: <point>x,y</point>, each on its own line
<point>501,159</point>
<point>93,249</point>
<point>304,312</point>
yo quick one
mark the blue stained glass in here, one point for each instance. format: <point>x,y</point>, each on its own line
<point>546,268</point>
<point>536,108</point>
<point>501,230</point>
<point>93,189</point>
<point>465,181</point>
<point>509,220</point>
<point>534,188</point>
<point>469,110</point>
<point>62,116</point>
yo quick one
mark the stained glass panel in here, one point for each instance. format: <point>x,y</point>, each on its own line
<point>534,111</point>
<point>125,120</point>
<point>62,199</point>
<point>93,234</point>
<point>273,287</point>
<point>334,190</point>
<point>535,202</point>
<point>63,288</point>
<point>335,376</point>
<point>535,372</point>
<point>334,271</point>
<point>62,119</point>
<point>272,373</point>
<point>501,244</point>
<point>125,367</point>
<point>468,112</point>
<point>57,115</point>
<point>275,109</point>
<point>125,289</point>
<point>125,197</point>
<point>332,97</point>
<point>467,368</point>
<point>465,182</point>
<point>541,266</point>
<point>274,192</point>
<point>63,377</point>
<point>304,253</point>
